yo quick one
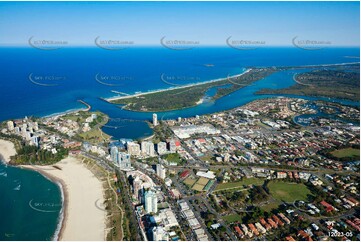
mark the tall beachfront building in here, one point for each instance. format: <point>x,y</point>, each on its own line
<point>155,119</point>
<point>114,154</point>
<point>133,148</point>
<point>162,148</point>
<point>124,160</point>
<point>147,148</point>
<point>172,146</point>
<point>120,159</point>
<point>161,171</point>
<point>150,201</point>
<point>11,125</point>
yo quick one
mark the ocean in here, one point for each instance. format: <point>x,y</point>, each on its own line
<point>35,82</point>
<point>30,205</point>
<point>38,82</point>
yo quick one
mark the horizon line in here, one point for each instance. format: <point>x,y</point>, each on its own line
<point>193,47</point>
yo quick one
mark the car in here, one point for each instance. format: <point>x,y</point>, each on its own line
<point>315,227</point>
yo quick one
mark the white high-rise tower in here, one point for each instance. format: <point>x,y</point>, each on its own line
<point>155,119</point>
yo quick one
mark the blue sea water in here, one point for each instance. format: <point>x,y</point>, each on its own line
<point>30,205</point>
<point>37,82</point>
<point>70,74</point>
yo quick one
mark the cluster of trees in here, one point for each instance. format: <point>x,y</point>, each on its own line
<point>327,83</point>
<point>167,100</point>
<point>209,218</point>
<point>130,223</point>
<point>214,203</point>
<point>187,97</point>
<point>235,198</point>
<point>96,121</point>
<point>257,194</point>
<point>161,133</point>
<point>254,215</point>
<point>29,154</point>
<point>174,157</point>
<point>10,136</point>
<point>330,77</point>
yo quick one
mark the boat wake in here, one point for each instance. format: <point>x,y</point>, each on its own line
<point>17,188</point>
<point>4,174</point>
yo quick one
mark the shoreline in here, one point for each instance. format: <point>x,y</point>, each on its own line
<point>53,115</point>
<point>64,200</point>
<point>7,149</point>
<point>78,214</point>
<point>79,218</point>
<point>60,183</point>
<point>137,94</point>
<point>114,98</point>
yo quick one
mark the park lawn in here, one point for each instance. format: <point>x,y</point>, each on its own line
<point>232,218</point>
<point>270,206</point>
<point>239,184</point>
<point>346,152</point>
<point>288,192</point>
<point>206,158</point>
<point>198,187</point>
<point>203,181</point>
<point>95,135</point>
<point>78,116</point>
<point>81,116</point>
<point>174,157</point>
<point>189,181</point>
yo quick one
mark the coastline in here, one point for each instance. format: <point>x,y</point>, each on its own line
<point>80,219</point>
<point>114,98</point>
<point>7,149</point>
<point>53,115</point>
<point>64,200</point>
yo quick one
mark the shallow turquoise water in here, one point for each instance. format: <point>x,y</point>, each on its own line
<point>30,205</point>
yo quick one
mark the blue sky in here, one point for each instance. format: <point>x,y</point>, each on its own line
<point>210,23</point>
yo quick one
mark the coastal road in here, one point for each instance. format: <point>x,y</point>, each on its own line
<point>101,162</point>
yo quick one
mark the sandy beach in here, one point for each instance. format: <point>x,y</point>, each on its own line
<point>200,101</point>
<point>110,99</point>
<point>83,220</point>
<point>55,115</point>
<point>7,149</point>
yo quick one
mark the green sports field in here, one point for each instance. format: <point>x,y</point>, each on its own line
<point>347,152</point>
<point>239,184</point>
<point>288,192</point>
